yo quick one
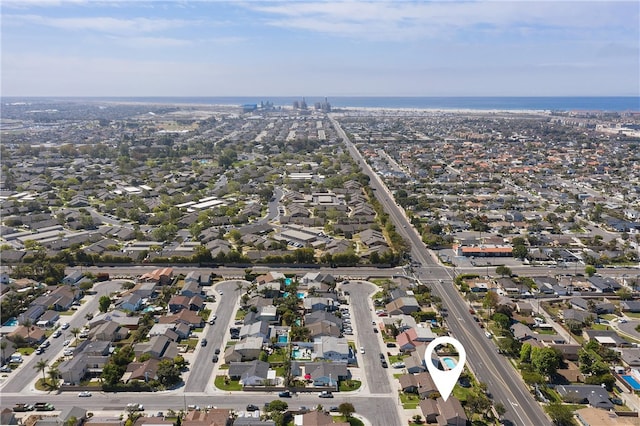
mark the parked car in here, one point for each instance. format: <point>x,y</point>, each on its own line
<point>133,406</point>
<point>361,349</point>
<point>214,358</point>
<point>56,334</point>
<point>5,369</point>
<point>285,394</point>
<point>84,394</point>
<point>65,326</point>
<point>384,364</point>
<point>325,394</point>
<point>217,351</point>
<point>203,342</point>
<point>252,407</point>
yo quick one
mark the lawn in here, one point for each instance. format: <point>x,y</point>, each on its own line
<point>349,385</point>
<point>351,420</point>
<point>26,351</point>
<point>409,400</point>
<point>397,358</point>
<point>233,385</point>
<point>462,393</point>
<point>279,355</point>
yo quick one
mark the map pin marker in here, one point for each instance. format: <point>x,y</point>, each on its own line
<point>445,380</point>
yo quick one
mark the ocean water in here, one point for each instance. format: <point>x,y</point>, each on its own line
<point>582,103</point>
<point>578,103</point>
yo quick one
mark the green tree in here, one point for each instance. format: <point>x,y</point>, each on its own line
<point>54,375</point>
<point>75,331</point>
<point>346,409</point>
<point>103,303</point>
<point>545,361</point>
<point>520,251</point>
<point>561,415</point>
<point>41,366</point>
<point>502,320</point>
<point>503,271</point>
<point>277,405</point>
<point>168,374</point>
<point>525,353</point>
<point>490,301</point>
<point>590,270</point>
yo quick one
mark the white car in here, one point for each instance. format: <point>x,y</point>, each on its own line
<point>66,342</point>
<point>84,394</point>
<point>361,349</point>
<point>65,326</point>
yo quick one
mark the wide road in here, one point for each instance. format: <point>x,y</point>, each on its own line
<point>202,367</point>
<point>379,410</point>
<point>502,380</point>
<point>21,378</point>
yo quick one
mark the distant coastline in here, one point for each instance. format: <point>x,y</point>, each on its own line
<point>543,103</point>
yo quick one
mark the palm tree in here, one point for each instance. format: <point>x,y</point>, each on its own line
<point>54,375</point>
<point>41,365</point>
<point>3,346</point>
<point>75,331</point>
<point>27,323</point>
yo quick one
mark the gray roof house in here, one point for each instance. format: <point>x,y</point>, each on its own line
<point>594,395</point>
<point>259,329</point>
<point>331,348</point>
<point>250,373</point>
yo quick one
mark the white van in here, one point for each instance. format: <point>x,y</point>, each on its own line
<point>16,358</point>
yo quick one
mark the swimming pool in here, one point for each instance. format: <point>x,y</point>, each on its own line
<point>13,321</point>
<point>632,382</point>
<point>449,362</point>
<point>300,295</point>
<point>287,281</point>
<point>282,338</point>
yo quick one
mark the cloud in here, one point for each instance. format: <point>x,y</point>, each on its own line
<point>380,20</point>
<point>103,24</point>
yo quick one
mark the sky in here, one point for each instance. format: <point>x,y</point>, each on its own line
<point>319,48</point>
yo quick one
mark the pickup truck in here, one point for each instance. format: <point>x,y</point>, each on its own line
<point>43,406</point>
<point>20,408</point>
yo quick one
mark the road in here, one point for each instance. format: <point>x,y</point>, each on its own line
<point>20,379</point>
<point>503,381</point>
<point>201,368</point>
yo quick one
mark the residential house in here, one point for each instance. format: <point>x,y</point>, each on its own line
<point>322,316</point>
<point>191,318</point>
<point>73,278</point>
<point>252,421</point>
<point>7,417</point>
<point>143,371</point>
<point>167,330</point>
<point>269,289</point>
<point>583,317</point>
<point>403,305</point>
<point>33,335</point>
<point>323,328</point>
<point>594,417</point>
<point>319,304</point>
<point>408,340</point>
<point>524,308</point>
<point>604,284</point>
<point>321,373</point>
<point>146,290</point>
<point>521,332</point>
<point>331,348</point>
<point>211,417</point>
<point>161,276</point>
<point>31,315</point>
<point>420,383</point>
<point>178,303</point>
<point>48,319</point>
<point>131,302</point>
<point>608,338</point>
<point>267,313</point>
<point>246,349</point>
<point>109,331</point>
<point>450,412</point>
<point>416,362</point>
<point>632,306</point>
<point>252,373</point>
<point>61,298</point>
<point>594,395</point>
<point>116,316</point>
<point>630,357</point>
<point>88,360</point>
<point>159,347</point>
<point>316,418</point>
<point>259,329</point>
<point>191,288</point>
